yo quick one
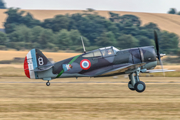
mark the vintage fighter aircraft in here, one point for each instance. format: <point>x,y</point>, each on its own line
<point>107,61</point>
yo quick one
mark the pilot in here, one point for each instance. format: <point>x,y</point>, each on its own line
<point>109,52</point>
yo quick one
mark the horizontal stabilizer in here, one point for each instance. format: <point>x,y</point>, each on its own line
<point>43,68</point>
<point>158,70</point>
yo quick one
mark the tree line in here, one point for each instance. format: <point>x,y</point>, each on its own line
<point>173,11</point>
<point>2,4</point>
<point>63,32</point>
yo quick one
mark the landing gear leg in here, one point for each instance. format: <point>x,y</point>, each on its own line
<point>47,79</point>
<point>135,83</point>
<point>48,83</point>
<point>132,82</point>
<point>137,75</point>
<point>130,86</point>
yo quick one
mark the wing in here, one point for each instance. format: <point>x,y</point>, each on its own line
<point>120,70</point>
<point>158,70</point>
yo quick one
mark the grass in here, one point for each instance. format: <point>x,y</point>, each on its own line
<point>167,74</point>
<point>160,74</point>
<point>88,101</point>
<point>11,71</point>
<point>10,55</point>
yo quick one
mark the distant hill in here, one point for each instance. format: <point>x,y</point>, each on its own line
<point>167,22</point>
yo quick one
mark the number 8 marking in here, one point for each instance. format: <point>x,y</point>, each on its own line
<point>41,62</point>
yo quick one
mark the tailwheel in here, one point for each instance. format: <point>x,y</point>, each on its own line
<point>48,83</point>
<point>140,86</point>
<point>130,86</point>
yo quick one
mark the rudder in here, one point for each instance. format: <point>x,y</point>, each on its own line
<point>34,59</point>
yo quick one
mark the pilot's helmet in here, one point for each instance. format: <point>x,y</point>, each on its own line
<point>109,52</point>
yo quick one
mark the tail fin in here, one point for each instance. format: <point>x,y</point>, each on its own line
<point>34,59</point>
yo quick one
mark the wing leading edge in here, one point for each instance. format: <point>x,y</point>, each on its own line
<point>158,70</point>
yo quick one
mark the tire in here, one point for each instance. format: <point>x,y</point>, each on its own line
<point>129,84</point>
<point>48,83</point>
<point>140,86</point>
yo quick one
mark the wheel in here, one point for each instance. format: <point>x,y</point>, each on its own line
<point>130,86</point>
<point>48,83</point>
<point>140,86</point>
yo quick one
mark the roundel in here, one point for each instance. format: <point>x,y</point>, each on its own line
<point>85,64</point>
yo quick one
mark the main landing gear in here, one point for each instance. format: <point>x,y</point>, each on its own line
<point>48,83</point>
<point>135,83</point>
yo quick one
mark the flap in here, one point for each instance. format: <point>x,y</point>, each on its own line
<point>123,69</point>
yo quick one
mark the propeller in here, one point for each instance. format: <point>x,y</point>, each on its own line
<point>157,51</point>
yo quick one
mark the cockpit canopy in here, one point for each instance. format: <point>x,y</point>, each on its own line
<point>102,52</point>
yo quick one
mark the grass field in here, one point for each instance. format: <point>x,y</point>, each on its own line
<point>10,55</point>
<point>89,101</point>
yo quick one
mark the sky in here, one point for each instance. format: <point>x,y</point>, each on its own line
<point>151,6</point>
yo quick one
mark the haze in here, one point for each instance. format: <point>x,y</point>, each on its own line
<point>152,6</point>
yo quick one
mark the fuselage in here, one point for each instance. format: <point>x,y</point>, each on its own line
<point>97,62</point>
<point>100,61</point>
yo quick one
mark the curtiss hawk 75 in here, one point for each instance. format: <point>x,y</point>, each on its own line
<point>103,62</point>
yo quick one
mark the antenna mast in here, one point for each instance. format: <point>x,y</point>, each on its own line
<point>83,45</point>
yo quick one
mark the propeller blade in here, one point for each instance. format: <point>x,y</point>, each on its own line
<point>157,45</point>
<point>157,50</point>
<point>161,63</point>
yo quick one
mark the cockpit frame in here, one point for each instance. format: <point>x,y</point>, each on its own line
<point>102,52</point>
